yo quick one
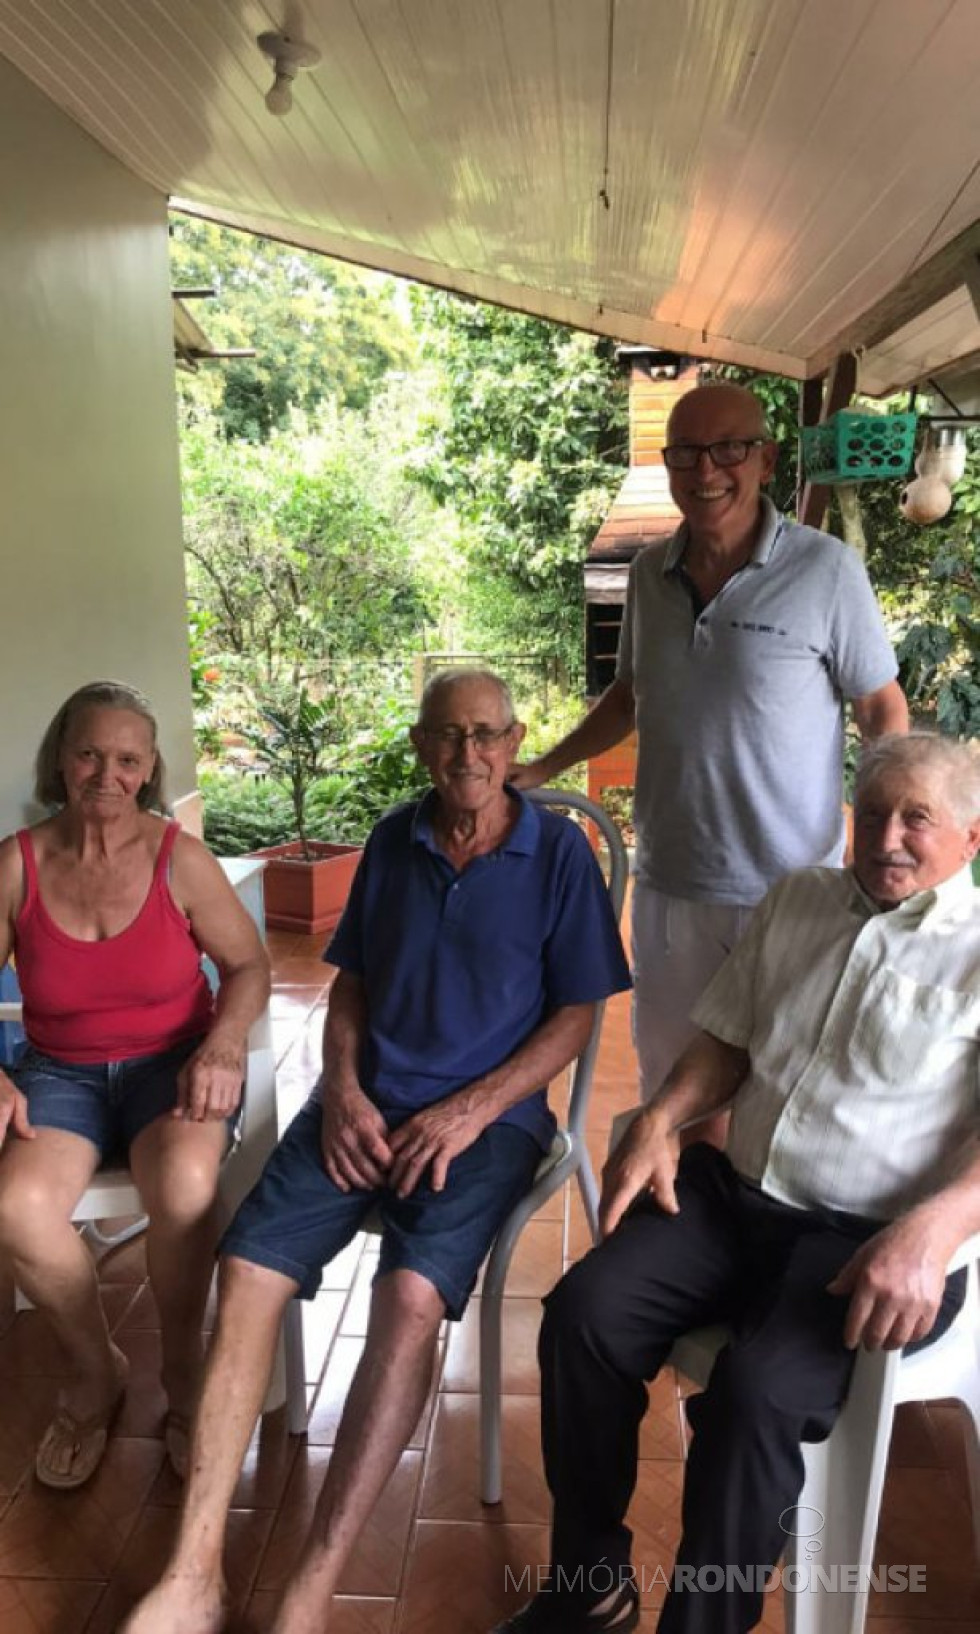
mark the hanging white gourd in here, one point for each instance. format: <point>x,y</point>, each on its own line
<point>939,464</point>
<point>926,499</point>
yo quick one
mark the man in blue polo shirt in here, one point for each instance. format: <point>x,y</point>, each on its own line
<point>476,943</point>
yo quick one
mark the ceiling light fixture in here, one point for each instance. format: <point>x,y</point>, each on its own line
<point>287,55</point>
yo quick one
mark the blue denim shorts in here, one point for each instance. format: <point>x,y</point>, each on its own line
<point>109,1103</point>
<point>296,1220</point>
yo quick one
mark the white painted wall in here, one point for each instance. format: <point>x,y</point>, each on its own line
<point>91,565</point>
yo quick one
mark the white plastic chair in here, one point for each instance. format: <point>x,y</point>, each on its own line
<point>845,1475</point>
<point>568,1156</point>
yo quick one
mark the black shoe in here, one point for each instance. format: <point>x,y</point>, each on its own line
<point>551,1614</point>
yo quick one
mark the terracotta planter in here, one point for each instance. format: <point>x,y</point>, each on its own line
<point>307,895</point>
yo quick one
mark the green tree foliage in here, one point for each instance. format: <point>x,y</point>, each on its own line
<point>933,574</point>
<point>298,551</point>
<point>528,444</point>
<point>323,331</point>
<point>295,736</point>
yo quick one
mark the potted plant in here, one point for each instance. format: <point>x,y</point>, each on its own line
<point>306,881</point>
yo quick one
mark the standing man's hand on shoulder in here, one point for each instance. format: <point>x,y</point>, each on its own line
<point>607,723</point>
<point>529,774</point>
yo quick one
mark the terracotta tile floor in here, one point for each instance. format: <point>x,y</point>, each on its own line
<point>433,1558</point>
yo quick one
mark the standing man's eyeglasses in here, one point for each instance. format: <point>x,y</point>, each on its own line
<point>731,451</point>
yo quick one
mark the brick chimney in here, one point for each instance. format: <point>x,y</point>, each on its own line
<point>643,509</point>
<point>642,512</point>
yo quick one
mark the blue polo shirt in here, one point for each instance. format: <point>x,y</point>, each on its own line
<point>459,969</point>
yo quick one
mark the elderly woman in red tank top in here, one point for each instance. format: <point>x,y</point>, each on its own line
<point>108,908</point>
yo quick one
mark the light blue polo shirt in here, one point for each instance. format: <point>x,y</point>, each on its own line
<point>459,969</point>
<point>739,709</point>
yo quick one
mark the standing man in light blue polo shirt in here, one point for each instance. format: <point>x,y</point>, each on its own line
<point>743,638</point>
<point>476,943</point>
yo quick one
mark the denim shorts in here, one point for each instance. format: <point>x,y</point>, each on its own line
<point>296,1220</point>
<point>109,1103</point>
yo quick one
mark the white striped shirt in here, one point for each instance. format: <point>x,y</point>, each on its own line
<point>862,1029</point>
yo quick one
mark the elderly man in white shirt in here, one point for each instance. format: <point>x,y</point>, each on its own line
<point>845,1031</point>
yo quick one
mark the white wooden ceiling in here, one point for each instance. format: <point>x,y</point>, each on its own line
<point>775,170</point>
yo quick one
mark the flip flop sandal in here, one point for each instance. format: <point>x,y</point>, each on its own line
<point>71,1448</point>
<point>177,1440</point>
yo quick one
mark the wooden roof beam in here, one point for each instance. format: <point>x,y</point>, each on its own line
<point>820,399</point>
<point>915,294</point>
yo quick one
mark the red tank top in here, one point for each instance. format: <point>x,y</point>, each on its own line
<point>133,994</point>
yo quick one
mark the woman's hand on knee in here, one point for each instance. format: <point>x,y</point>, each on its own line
<point>209,1084</point>
<point>13,1111</point>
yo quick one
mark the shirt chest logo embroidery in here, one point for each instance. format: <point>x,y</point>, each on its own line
<point>757,629</point>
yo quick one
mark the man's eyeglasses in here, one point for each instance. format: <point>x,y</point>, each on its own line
<point>730,451</point>
<point>453,737</point>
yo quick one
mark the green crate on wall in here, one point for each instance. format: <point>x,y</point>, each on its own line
<point>853,447</point>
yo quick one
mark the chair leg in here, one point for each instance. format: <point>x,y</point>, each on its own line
<point>491,1315</point>
<point>840,1503</point>
<point>969,1392</point>
<point>491,1318</point>
<point>292,1344</point>
<point>590,1192</point>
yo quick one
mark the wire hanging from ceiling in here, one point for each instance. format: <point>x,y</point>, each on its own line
<point>607,109</point>
<point>603,200</point>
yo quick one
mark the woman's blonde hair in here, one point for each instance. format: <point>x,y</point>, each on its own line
<point>49,784</point>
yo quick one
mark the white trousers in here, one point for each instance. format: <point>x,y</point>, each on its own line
<point>677,947</point>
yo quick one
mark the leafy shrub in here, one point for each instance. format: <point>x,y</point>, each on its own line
<point>381,765</point>
<point>243,814</point>
<point>294,736</point>
<point>376,770</point>
<point>546,723</point>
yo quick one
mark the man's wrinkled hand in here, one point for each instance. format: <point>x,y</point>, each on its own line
<point>13,1111</point>
<point>643,1164</point>
<point>209,1084</point>
<point>430,1139</point>
<point>353,1140</point>
<point>894,1284</point>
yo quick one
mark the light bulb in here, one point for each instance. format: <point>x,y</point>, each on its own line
<point>279,97</point>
